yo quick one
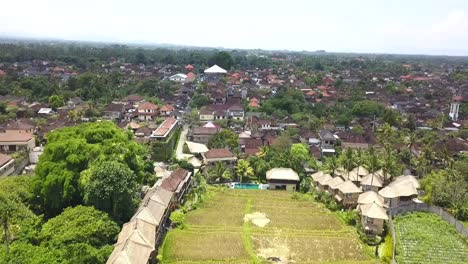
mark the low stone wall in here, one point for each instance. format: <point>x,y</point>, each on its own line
<point>423,207</point>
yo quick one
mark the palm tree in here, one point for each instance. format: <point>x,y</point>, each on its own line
<point>388,164</point>
<point>262,151</point>
<point>243,169</point>
<point>348,160</point>
<point>331,164</point>
<point>410,140</point>
<point>215,173</point>
<point>421,165</point>
<point>359,159</point>
<point>373,162</point>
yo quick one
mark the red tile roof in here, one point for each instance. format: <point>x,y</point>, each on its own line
<point>167,108</point>
<point>172,182</point>
<point>4,159</point>
<point>165,127</point>
<point>218,153</point>
<point>253,104</point>
<point>13,136</point>
<point>191,75</point>
<point>148,106</point>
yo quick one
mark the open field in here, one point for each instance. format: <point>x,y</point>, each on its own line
<point>426,238</point>
<point>298,231</point>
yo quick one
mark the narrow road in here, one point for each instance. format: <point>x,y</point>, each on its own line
<point>180,146</point>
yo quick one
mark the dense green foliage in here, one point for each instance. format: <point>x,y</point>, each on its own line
<point>199,100</point>
<point>112,187</point>
<point>72,150</point>
<point>77,235</point>
<point>163,150</point>
<point>224,139</point>
<point>448,189</point>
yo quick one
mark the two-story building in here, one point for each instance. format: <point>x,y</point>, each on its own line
<point>147,111</point>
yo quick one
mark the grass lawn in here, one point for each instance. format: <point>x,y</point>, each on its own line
<point>299,231</point>
<point>426,238</point>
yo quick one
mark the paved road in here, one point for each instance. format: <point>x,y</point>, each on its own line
<point>180,146</point>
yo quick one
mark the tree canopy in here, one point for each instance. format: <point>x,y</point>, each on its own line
<point>72,150</point>
<point>112,187</point>
<point>224,138</point>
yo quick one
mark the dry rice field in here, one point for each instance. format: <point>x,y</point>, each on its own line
<point>298,231</point>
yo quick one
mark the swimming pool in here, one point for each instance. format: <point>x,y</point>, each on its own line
<point>250,186</point>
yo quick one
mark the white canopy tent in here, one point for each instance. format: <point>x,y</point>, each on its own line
<point>215,69</point>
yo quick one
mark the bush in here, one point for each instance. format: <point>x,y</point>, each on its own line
<point>178,218</point>
<point>350,217</point>
<point>305,185</point>
<point>387,254</point>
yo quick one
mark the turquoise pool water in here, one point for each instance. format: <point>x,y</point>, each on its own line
<point>251,186</point>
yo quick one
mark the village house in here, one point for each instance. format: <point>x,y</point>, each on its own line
<point>328,142</point>
<point>372,218</point>
<point>322,180</point>
<point>202,134</point>
<point>206,115</point>
<point>140,238</point>
<point>14,141</point>
<point>147,111</point>
<point>166,110</point>
<point>132,99</point>
<point>250,146</point>
<point>282,179</point>
<point>114,111</point>
<point>178,182</point>
<point>7,165</point>
<point>19,126</point>
<point>219,154</point>
<point>401,191</point>
<point>165,130</point>
<point>372,182</point>
<point>143,132</point>
<point>348,194</point>
<point>45,112</point>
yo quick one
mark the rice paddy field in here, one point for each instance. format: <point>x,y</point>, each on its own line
<point>255,226</point>
<point>426,238</point>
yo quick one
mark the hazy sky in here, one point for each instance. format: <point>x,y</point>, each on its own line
<point>393,26</point>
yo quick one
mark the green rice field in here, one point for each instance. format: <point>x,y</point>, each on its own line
<point>298,231</point>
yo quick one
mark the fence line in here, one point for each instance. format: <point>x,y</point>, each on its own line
<point>392,230</point>
<point>422,207</point>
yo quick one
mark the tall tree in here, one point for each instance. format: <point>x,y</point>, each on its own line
<point>224,139</point>
<point>112,187</point>
<point>331,164</point>
<point>348,160</point>
<point>222,59</point>
<point>244,170</point>
<point>71,150</point>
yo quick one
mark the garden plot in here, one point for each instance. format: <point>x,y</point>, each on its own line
<point>426,238</point>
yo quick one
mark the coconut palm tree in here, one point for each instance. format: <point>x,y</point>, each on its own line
<point>331,164</point>
<point>348,160</point>
<point>372,162</point>
<point>244,170</point>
